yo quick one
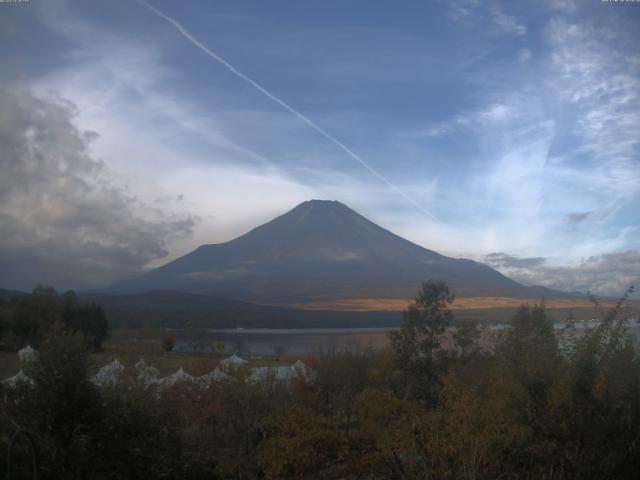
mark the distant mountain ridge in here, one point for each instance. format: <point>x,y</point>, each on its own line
<point>9,294</point>
<point>321,250</point>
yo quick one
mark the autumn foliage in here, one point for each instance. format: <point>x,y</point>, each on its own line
<point>537,404</point>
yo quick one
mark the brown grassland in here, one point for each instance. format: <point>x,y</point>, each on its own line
<point>464,303</point>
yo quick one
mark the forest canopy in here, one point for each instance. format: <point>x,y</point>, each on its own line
<point>28,319</point>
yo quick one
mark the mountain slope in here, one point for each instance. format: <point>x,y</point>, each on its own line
<point>319,250</point>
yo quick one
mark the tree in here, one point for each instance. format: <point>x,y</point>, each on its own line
<point>82,431</point>
<point>525,374</point>
<point>97,327</point>
<point>86,319</point>
<point>4,322</point>
<point>599,405</point>
<point>62,408</point>
<point>466,422</point>
<point>217,347</point>
<point>138,436</point>
<point>418,342</point>
<point>466,342</point>
<point>31,317</point>
<point>168,343</point>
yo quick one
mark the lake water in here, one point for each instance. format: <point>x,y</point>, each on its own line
<point>264,341</point>
<point>300,341</point>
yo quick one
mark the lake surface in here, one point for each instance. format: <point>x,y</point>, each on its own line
<point>301,341</point>
<point>296,341</point>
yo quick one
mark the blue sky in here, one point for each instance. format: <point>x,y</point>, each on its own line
<point>497,128</point>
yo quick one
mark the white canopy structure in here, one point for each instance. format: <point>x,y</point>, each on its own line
<point>280,374</point>
<point>234,361</point>
<point>109,374</point>
<point>300,368</point>
<point>147,374</point>
<point>17,379</point>
<point>216,375</point>
<point>27,354</point>
<point>266,374</point>
<point>180,376</point>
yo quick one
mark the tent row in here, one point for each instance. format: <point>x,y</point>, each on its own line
<point>147,375</point>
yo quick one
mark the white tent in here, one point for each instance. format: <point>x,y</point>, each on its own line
<point>27,354</point>
<point>109,374</point>
<point>266,374</point>
<point>234,361</point>
<point>216,375</point>
<point>17,379</point>
<point>180,376</point>
<point>300,369</point>
<point>146,373</point>
<point>280,374</point>
<point>141,364</point>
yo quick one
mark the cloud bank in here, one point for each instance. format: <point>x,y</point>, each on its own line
<point>607,275</point>
<point>64,221</point>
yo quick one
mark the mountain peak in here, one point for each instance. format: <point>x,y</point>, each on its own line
<point>322,205</point>
<point>315,223</point>
<point>320,249</point>
<point>316,201</point>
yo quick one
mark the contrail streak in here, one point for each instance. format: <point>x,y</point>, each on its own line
<point>185,33</point>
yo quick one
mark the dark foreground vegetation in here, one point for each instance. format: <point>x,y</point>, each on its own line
<point>29,319</point>
<point>530,407</point>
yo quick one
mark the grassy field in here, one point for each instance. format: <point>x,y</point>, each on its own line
<point>472,309</point>
<point>466,303</point>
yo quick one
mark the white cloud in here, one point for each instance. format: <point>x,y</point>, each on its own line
<point>487,14</point>
<point>524,55</point>
<point>506,23</point>
<point>489,116</point>
<point>606,274</point>
<point>600,84</point>
<point>563,142</point>
<point>64,220</point>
